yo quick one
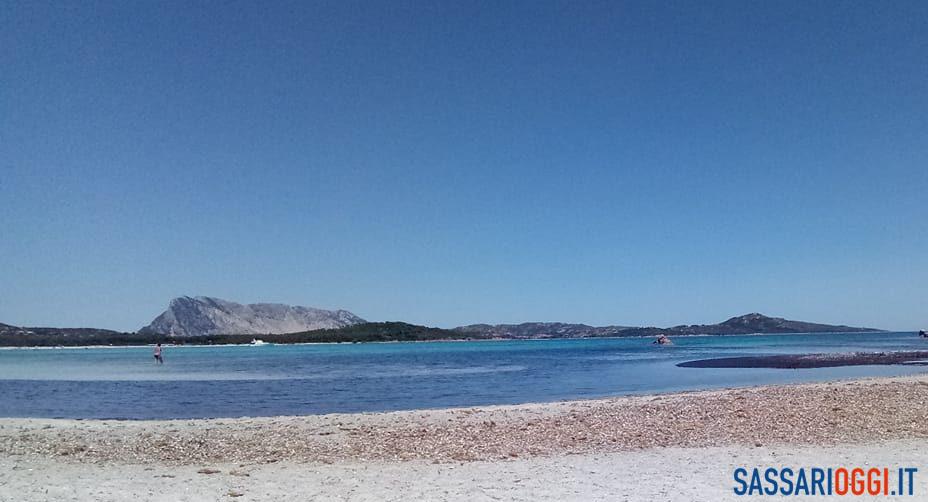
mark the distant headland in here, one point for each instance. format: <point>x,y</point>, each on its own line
<point>209,320</point>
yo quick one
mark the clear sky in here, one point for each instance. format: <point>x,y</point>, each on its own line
<point>457,162</point>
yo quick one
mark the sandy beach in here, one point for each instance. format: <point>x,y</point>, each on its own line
<point>662,447</point>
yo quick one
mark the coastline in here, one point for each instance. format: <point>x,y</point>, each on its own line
<point>449,340</point>
<point>646,447</point>
<point>821,413</point>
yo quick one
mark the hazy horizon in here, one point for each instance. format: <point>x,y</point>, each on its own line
<point>446,164</point>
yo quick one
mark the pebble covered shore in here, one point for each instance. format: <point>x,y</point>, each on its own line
<point>808,414</point>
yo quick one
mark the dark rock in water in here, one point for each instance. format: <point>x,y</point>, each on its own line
<point>801,361</point>
<point>204,315</point>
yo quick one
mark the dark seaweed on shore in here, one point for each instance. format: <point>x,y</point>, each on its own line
<point>804,361</point>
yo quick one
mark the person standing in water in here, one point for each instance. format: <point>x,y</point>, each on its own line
<point>158,356</point>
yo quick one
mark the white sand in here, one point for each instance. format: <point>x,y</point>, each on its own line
<point>659,474</point>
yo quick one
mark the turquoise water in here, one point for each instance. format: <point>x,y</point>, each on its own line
<point>232,381</point>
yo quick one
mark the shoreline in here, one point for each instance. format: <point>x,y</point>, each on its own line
<point>450,340</point>
<point>825,413</point>
<point>502,407</point>
<point>633,448</point>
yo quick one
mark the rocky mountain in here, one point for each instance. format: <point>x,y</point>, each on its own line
<point>203,315</point>
<point>741,325</point>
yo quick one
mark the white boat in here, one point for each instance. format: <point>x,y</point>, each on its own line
<point>256,342</point>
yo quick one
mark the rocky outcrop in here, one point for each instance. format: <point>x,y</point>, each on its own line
<point>203,315</point>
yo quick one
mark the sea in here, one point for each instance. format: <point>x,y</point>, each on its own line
<point>271,380</point>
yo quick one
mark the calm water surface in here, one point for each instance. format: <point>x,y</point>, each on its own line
<point>303,379</point>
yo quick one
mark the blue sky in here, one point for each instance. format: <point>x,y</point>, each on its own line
<point>447,163</point>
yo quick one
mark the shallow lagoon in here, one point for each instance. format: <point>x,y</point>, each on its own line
<point>232,381</point>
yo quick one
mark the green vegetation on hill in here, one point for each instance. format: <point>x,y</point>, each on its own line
<point>370,332</point>
<point>365,332</point>
<point>12,336</point>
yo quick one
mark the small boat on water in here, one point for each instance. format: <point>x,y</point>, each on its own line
<point>923,334</point>
<point>663,340</point>
<point>256,342</point>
